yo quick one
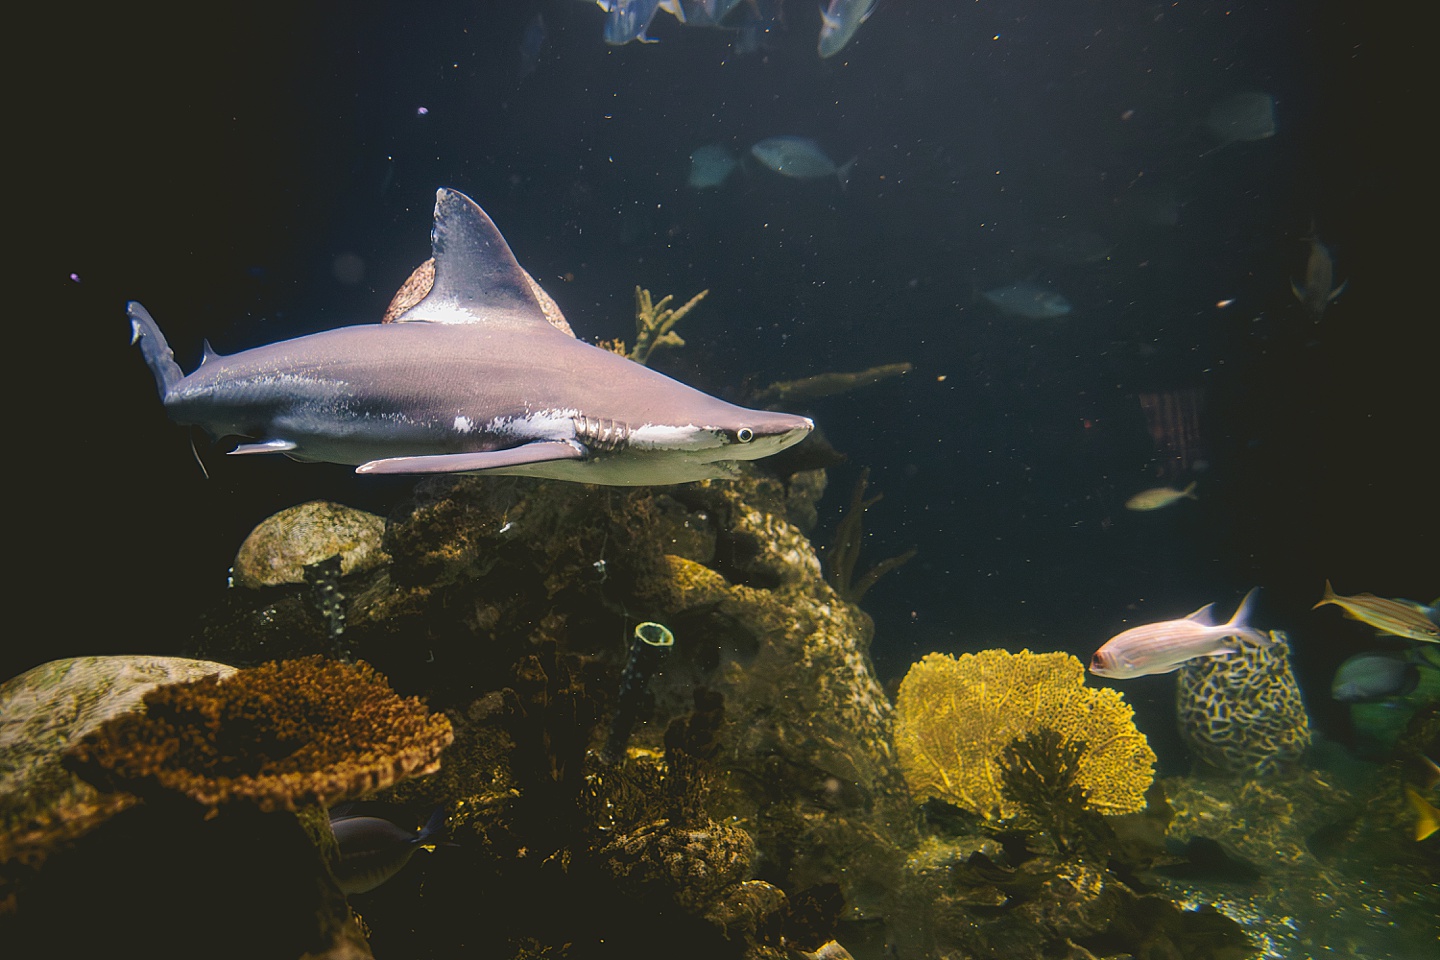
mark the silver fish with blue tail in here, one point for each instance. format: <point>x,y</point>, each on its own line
<point>1166,646</point>
<point>799,157</point>
<point>372,849</point>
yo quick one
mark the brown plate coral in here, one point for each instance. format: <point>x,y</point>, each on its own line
<point>280,735</point>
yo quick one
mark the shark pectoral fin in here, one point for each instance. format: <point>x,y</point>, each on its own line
<point>1337,291</point>
<point>269,446</point>
<point>541,451</point>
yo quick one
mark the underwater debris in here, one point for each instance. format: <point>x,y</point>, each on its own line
<point>845,548</point>
<point>651,640</point>
<point>654,326</point>
<point>1243,714</point>
<point>282,547</point>
<point>955,716</point>
<point>826,384</point>
<point>279,736</point>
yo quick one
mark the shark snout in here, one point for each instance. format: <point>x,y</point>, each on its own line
<point>769,433</point>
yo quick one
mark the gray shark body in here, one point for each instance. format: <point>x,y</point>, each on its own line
<point>472,379</point>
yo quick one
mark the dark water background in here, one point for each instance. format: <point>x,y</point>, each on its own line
<point>214,162</point>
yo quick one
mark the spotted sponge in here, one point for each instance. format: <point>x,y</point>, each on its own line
<point>1243,713</point>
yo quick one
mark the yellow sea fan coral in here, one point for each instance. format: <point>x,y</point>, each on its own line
<point>954,716</point>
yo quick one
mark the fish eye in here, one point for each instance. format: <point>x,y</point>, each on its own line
<point>744,434</point>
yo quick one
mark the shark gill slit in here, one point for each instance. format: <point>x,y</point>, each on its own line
<point>599,434</point>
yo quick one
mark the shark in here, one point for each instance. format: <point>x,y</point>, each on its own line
<point>472,379</point>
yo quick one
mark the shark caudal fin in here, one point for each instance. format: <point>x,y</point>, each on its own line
<point>157,353</point>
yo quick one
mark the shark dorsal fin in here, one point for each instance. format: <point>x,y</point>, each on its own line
<point>208,353</point>
<point>477,279</point>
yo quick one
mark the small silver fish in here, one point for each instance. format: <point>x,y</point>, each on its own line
<point>799,157</point>
<point>1167,646</point>
<point>1243,117</point>
<point>1028,300</point>
<point>839,21</point>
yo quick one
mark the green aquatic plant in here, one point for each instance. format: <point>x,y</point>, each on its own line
<point>1039,774</point>
<point>845,548</point>
<point>654,325</point>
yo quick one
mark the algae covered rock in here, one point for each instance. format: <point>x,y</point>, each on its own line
<point>43,713</point>
<point>279,549</point>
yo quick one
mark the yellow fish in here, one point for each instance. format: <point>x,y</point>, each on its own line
<point>1427,818</point>
<point>1391,616</point>
<point>1157,497</point>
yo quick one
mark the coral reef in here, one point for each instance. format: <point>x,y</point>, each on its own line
<point>1039,774</point>
<point>280,549</point>
<point>1310,835</point>
<point>1243,714</point>
<point>955,716</point>
<point>279,736</point>
<point>46,710</point>
<point>219,768</point>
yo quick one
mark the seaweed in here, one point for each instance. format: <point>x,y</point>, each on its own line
<point>1038,773</point>
<point>654,325</point>
<point>845,548</point>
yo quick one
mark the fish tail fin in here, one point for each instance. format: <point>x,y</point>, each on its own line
<point>1427,818</point>
<point>1239,624</point>
<point>432,829</point>
<point>1190,490</point>
<point>844,172</point>
<point>145,333</point>
<point>1329,596</point>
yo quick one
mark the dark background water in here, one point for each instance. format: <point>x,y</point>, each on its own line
<point>217,163</point>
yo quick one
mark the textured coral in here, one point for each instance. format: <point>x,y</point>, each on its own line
<point>279,735</point>
<point>1243,713</point>
<point>954,717</point>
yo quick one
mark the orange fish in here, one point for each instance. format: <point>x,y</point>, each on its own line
<point>1390,616</point>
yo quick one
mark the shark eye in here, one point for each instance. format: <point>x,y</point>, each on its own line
<point>744,434</point>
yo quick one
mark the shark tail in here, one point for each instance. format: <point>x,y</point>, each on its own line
<point>157,353</point>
